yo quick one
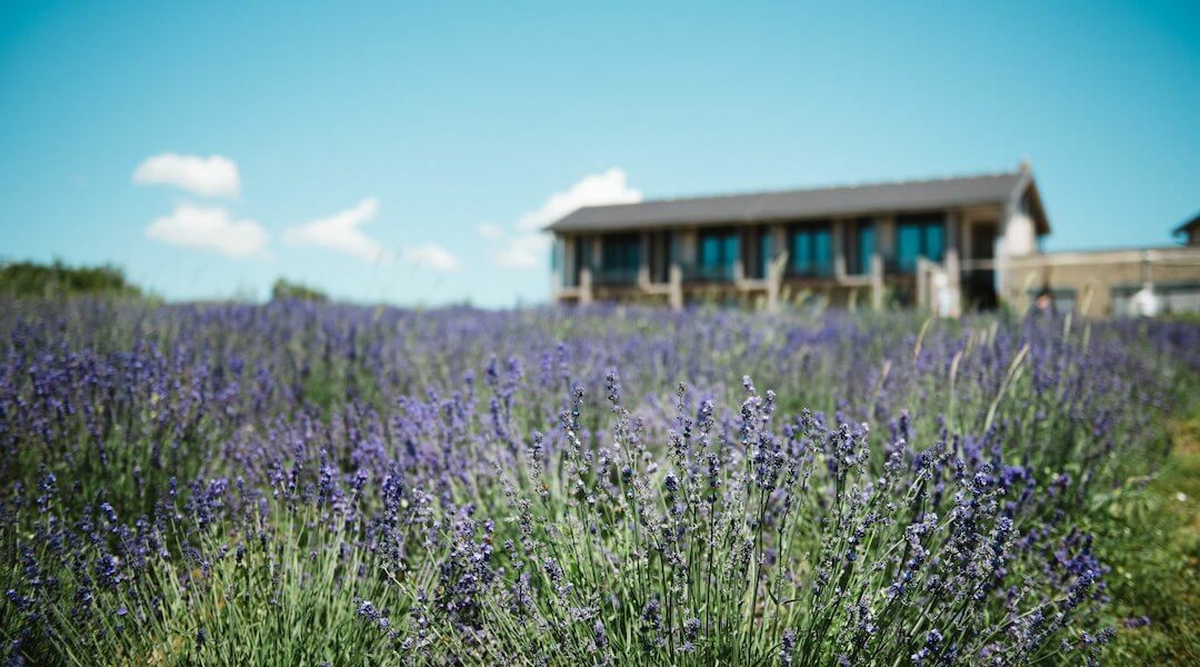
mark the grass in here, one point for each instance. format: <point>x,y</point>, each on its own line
<point>577,557</point>
<point>1151,539</point>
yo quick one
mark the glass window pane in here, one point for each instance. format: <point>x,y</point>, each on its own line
<point>583,252</point>
<point>934,240</point>
<point>866,247</point>
<point>908,247</point>
<point>766,251</point>
<point>710,250</point>
<point>621,252</point>
<point>822,253</point>
<point>802,252</point>
<point>732,249</point>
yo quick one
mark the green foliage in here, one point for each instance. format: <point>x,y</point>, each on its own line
<point>286,597</point>
<point>297,572</point>
<point>284,290</point>
<point>1150,536</point>
<point>28,279</point>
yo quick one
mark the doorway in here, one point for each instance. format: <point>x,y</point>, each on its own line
<point>980,280</point>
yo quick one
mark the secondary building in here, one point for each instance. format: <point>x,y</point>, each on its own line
<point>945,243</point>
<point>1119,282</point>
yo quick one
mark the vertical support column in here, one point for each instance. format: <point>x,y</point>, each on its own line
<point>1006,291</point>
<point>558,269</point>
<point>739,262</point>
<point>775,281</point>
<point>778,267</point>
<point>839,249</point>
<point>675,289</point>
<point>570,271</point>
<point>952,264</point>
<point>585,285</point>
<point>586,294</point>
<point>877,280</point>
<point>643,275</point>
<point>885,247</point>
<point>885,236</point>
<point>923,283</point>
<point>687,246</point>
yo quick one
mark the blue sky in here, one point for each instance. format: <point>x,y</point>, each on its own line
<point>400,152</point>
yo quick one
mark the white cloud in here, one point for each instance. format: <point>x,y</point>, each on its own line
<point>530,248</point>
<point>430,256</point>
<point>490,231</point>
<point>525,252</point>
<point>213,176</point>
<point>209,228</point>
<point>609,187</point>
<point>340,232</point>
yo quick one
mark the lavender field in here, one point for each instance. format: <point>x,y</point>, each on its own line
<point>301,484</point>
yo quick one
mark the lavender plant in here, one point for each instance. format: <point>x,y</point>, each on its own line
<point>191,485</point>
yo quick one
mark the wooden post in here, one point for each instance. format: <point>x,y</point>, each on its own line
<point>922,283</point>
<point>877,281</point>
<point>952,265</point>
<point>775,273</point>
<point>643,275</point>
<point>675,290</point>
<point>838,247</point>
<point>585,285</point>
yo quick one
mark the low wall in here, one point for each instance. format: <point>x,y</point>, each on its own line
<point>1099,281</point>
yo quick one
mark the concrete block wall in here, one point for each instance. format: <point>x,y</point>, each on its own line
<point>1093,275</point>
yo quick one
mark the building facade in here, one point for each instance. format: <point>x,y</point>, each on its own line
<point>1118,282</point>
<point>945,244</point>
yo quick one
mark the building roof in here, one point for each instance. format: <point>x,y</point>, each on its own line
<point>1188,226</point>
<point>896,197</point>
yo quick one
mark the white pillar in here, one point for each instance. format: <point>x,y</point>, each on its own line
<point>675,290</point>
<point>585,285</point>
<point>951,263</point>
<point>839,249</point>
<point>643,275</point>
<point>877,280</point>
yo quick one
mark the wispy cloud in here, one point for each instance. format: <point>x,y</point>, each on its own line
<point>609,187</point>
<point>210,228</point>
<point>490,231</point>
<point>340,232</point>
<point>528,251</point>
<point>430,256</point>
<point>529,247</point>
<point>212,176</point>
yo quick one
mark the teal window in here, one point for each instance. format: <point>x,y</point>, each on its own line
<point>919,237</point>
<point>718,252</point>
<point>811,252</point>
<point>582,258</point>
<point>865,239</point>
<point>864,247</point>
<point>766,252</point>
<point>620,258</point>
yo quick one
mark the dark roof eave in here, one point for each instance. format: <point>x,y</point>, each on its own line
<point>565,226</point>
<point>1183,228</point>
<point>809,204</point>
<point>1039,211</point>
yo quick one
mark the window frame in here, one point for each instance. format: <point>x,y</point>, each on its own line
<point>923,224</point>
<point>817,264</point>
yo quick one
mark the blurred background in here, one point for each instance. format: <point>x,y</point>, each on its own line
<point>410,153</point>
